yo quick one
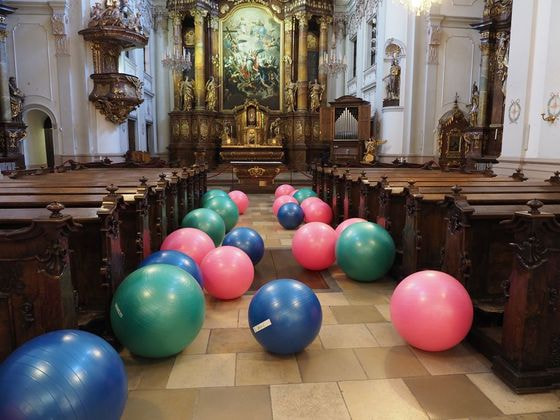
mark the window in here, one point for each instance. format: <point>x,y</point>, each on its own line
<point>372,27</point>
<point>354,42</point>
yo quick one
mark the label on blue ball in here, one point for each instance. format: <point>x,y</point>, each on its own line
<point>262,325</point>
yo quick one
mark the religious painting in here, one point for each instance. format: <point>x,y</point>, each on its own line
<point>251,51</point>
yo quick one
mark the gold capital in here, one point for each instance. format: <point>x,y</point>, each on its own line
<point>199,15</point>
<point>303,18</point>
<point>324,22</point>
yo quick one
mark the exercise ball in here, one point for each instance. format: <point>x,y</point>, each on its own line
<point>65,374</point>
<point>285,316</point>
<point>313,246</point>
<point>308,201</point>
<point>290,215</point>
<point>176,258</point>
<point>210,194</point>
<point>293,193</point>
<point>228,272</point>
<point>348,222</point>
<point>431,310</point>
<point>247,240</point>
<point>280,201</point>
<point>208,221</point>
<point>317,211</point>
<point>193,242</point>
<point>304,193</point>
<point>226,208</point>
<point>240,199</point>
<point>284,189</point>
<point>365,251</point>
<point>157,311</point>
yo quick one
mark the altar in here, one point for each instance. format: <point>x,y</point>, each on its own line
<point>253,135</point>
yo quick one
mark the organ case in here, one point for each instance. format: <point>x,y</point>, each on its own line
<point>345,125</point>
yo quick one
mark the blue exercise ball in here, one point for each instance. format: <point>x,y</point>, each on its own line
<point>285,316</point>
<point>66,374</point>
<point>248,240</point>
<point>176,258</point>
<point>290,215</point>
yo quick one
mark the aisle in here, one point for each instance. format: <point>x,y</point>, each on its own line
<point>357,368</point>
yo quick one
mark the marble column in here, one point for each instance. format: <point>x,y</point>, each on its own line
<point>288,52</point>
<point>5,107</point>
<point>199,59</point>
<point>303,83</point>
<point>176,20</point>
<point>485,47</point>
<point>324,24</point>
<point>162,80</point>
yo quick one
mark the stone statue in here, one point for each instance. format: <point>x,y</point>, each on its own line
<point>96,14</point>
<point>291,89</point>
<point>187,94</point>
<point>211,94</point>
<point>393,80</point>
<point>473,113</point>
<point>316,95</point>
<point>370,152</point>
<point>16,99</point>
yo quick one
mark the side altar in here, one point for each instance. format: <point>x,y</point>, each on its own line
<point>254,87</point>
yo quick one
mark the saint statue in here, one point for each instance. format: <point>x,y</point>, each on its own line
<point>393,80</point>
<point>473,113</point>
<point>187,94</point>
<point>370,152</point>
<point>276,137</point>
<point>16,99</point>
<point>211,94</point>
<point>316,95</point>
<point>291,89</point>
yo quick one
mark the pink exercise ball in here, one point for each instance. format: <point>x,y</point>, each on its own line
<point>193,242</point>
<point>228,272</point>
<point>280,201</point>
<point>293,192</point>
<point>317,211</point>
<point>240,199</point>
<point>307,202</point>
<point>313,246</point>
<point>284,189</point>
<point>340,228</point>
<point>431,310</point>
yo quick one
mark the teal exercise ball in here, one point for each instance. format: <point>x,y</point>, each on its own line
<point>157,311</point>
<point>208,221</point>
<point>304,193</point>
<point>226,208</point>
<point>210,194</point>
<point>365,251</point>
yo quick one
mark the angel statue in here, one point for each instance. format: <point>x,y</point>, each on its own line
<point>371,146</point>
<point>211,94</point>
<point>187,94</point>
<point>291,89</point>
<point>316,95</point>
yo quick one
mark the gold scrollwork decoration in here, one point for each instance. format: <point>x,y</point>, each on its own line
<point>256,171</point>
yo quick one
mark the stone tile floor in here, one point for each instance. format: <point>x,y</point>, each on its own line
<point>358,368</point>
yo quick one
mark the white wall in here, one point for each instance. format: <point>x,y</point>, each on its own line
<point>53,68</point>
<point>534,74</point>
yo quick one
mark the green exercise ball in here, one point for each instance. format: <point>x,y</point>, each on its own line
<point>304,193</point>
<point>365,251</point>
<point>210,194</point>
<point>226,208</point>
<point>208,221</point>
<point>157,311</point>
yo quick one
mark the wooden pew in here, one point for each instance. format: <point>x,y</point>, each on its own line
<point>49,279</point>
<point>510,269</point>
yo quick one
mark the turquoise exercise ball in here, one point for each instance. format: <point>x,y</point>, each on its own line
<point>157,311</point>
<point>226,208</point>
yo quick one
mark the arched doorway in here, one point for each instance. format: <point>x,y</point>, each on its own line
<point>38,145</point>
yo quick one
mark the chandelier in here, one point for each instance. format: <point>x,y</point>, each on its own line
<point>419,6</point>
<point>330,63</point>
<point>177,60</point>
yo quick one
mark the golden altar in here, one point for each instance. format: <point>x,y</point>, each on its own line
<point>253,135</point>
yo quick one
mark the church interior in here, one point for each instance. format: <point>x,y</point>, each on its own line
<point>307,209</point>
